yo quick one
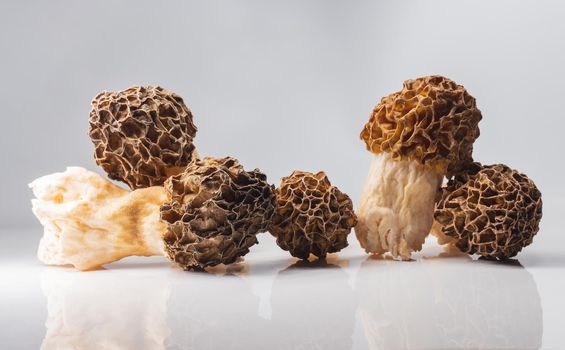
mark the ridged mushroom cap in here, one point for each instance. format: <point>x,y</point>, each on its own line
<point>141,135</point>
<point>215,210</point>
<point>312,216</point>
<point>432,120</point>
<point>492,210</point>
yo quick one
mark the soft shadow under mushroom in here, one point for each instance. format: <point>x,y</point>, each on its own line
<point>214,312</point>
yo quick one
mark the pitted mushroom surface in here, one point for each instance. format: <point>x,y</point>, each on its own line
<point>141,135</point>
<point>432,120</point>
<point>215,211</point>
<point>492,210</point>
<point>312,216</point>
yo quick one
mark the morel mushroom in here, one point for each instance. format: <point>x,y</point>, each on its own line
<point>312,216</point>
<point>492,210</point>
<point>215,211</point>
<point>417,135</point>
<point>211,213</point>
<point>142,135</point>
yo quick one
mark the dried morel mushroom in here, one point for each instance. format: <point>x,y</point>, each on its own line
<point>212,212</point>
<point>418,135</point>
<point>492,210</point>
<point>215,210</point>
<point>312,216</point>
<point>142,135</point>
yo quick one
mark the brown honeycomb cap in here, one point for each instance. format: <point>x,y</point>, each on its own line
<point>312,216</point>
<point>141,135</point>
<point>215,210</point>
<point>492,210</point>
<point>432,120</point>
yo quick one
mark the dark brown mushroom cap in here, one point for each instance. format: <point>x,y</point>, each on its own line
<point>432,120</point>
<point>215,210</point>
<point>491,210</point>
<point>312,216</point>
<point>141,135</point>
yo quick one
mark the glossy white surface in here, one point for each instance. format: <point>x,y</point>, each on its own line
<point>439,301</point>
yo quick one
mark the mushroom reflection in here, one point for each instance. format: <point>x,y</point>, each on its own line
<point>465,304</point>
<point>104,311</point>
<point>221,313</point>
<point>312,312</point>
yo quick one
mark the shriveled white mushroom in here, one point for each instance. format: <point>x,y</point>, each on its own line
<point>88,221</point>
<point>395,207</point>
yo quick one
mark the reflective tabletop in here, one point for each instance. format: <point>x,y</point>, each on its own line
<point>440,300</point>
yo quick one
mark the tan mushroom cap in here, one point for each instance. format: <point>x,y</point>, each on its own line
<point>141,135</point>
<point>215,210</point>
<point>492,210</point>
<point>312,216</point>
<point>432,120</point>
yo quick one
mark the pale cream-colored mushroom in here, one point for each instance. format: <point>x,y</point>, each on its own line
<point>88,221</point>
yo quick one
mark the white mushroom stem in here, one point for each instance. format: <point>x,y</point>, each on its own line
<point>396,208</point>
<point>88,221</point>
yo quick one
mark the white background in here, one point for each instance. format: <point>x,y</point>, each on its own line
<point>281,85</point>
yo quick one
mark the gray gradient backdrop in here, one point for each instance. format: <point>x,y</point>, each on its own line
<point>280,85</point>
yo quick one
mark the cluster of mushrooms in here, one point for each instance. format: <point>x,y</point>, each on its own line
<point>198,212</point>
<point>201,212</point>
<point>419,136</point>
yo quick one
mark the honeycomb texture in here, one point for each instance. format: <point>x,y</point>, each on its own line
<point>493,211</point>
<point>432,120</point>
<point>312,216</point>
<point>216,208</point>
<point>141,135</point>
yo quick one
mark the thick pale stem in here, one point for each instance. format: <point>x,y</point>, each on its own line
<point>396,208</point>
<point>88,221</point>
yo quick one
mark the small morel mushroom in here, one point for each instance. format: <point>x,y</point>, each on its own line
<point>417,135</point>
<point>212,212</point>
<point>312,216</point>
<point>492,210</point>
<point>215,211</point>
<point>141,135</point>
